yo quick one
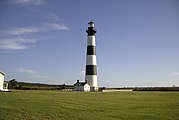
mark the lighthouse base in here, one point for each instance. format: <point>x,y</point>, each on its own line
<point>94,89</point>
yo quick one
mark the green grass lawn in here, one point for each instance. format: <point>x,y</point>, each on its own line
<point>45,105</point>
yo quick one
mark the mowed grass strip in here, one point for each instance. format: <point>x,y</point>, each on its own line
<point>52,105</point>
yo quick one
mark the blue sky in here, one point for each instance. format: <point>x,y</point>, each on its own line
<point>44,41</point>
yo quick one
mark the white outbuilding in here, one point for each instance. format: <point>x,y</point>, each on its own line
<point>81,86</point>
<point>3,85</point>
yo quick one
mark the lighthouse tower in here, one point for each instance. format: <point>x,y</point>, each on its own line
<point>91,64</point>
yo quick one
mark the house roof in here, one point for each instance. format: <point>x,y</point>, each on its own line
<point>2,73</point>
<point>80,83</point>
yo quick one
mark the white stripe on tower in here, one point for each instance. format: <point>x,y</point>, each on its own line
<point>91,60</point>
<point>91,64</point>
<point>91,40</point>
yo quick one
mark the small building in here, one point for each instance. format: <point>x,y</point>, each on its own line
<point>3,85</point>
<point>81,86</point>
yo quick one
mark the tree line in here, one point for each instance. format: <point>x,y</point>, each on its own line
<point>13,84</point>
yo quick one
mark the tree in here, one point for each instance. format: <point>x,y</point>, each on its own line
<point>64,86</point>
<point>13,84</point>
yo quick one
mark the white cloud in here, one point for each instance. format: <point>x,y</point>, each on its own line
<point>36,75</point>
<point>175,73</point>
<point>16,43</point>
<point>20,31</point>
<point>22,1</point>
<point>29,30</point>
<point>53,17</point>
<point>55,26</point>
<point>31,2</point>
<point>13,38</point>
<point>26,70</point>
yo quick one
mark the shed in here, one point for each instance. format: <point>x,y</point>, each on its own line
<point>81,86</point>
<point>3,85</point>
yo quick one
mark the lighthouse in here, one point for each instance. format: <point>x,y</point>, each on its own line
<point>91,64</point>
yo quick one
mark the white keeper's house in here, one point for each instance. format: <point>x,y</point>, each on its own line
<point>3,85</point>
<point>81,86</point>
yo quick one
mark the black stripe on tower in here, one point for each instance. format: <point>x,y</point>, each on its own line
<point>91,31</point>
<point>91,50</point>
<point>91,70</point>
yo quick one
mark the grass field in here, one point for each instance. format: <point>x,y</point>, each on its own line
<point>51,105</point>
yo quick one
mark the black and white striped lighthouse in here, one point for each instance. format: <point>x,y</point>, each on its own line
<point>91,64</point>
